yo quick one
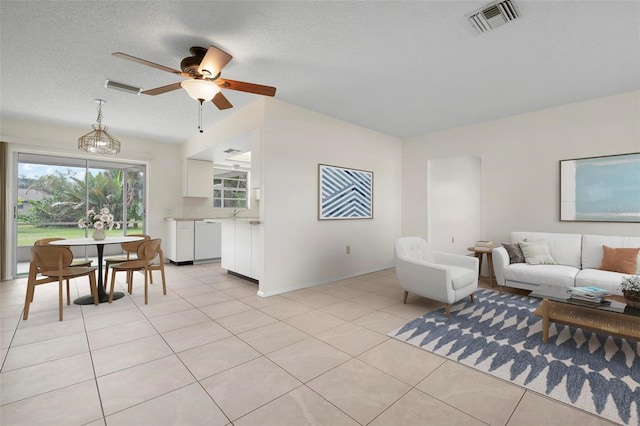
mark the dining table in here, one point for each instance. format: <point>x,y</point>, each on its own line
<point>103,296</point>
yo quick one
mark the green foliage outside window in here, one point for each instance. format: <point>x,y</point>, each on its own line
<point>64,198</point>
<point>230,190</point>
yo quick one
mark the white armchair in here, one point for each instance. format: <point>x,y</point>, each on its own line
<point>436,275</point>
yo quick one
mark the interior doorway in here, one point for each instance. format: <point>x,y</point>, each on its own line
<point>454,194</point>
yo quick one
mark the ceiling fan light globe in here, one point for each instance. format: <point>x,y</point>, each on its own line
<point>200,90</point>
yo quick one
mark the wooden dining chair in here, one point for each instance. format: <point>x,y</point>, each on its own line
<point>147,252</point>
<point>74,262</point>
<point>53,263</point>
<point>130,253</point>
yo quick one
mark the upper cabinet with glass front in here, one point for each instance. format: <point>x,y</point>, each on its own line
<point>197,177</point>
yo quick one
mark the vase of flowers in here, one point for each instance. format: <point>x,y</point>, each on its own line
<point>100,222</point>
<point>99,234</point>
<point>631,290</point>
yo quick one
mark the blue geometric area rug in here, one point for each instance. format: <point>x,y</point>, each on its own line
<point>500,335</point>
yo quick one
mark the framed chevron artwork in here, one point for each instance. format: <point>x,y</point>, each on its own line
<point>344,193</point>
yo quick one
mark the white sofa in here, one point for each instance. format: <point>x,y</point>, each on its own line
<point>577,260</point>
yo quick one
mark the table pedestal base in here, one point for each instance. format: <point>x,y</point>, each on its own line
<point>88,299</point>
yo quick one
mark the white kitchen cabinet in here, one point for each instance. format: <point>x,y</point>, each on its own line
<point>197,178</point>
<point>180,240</point>
<point>243,249</point>
<point>256,252</point>
<point>240,248</point>
<point>228,259</point>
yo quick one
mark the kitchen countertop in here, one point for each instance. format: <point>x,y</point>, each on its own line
<point>252,220</point>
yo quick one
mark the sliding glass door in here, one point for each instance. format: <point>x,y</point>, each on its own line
<point>53,193</point>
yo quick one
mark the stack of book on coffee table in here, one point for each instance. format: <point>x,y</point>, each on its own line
<point>482,244</point>
<point>591,295</point>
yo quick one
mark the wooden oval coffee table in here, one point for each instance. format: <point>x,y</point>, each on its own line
<point>615,318</point>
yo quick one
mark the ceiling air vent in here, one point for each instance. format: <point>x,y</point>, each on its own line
<point>110,84</point>
<point>493,15</point>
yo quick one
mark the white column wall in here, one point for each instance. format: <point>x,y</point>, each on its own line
<point>299,250</point>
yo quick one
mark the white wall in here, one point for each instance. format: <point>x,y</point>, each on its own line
<point>162,160</point>
<point>299,250</point>
<point>520,164</point>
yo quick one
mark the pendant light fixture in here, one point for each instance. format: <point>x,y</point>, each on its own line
<point>99,141</point>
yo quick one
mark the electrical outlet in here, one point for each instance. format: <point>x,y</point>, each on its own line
<point>348,249</point>
<point>452,240</point>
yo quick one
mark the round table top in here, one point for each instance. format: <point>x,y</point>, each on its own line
<point>91,241</point>
<point>481,249</point>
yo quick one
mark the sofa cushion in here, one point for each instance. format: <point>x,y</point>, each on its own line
<point>565,248</point>
<point>621,260</point>
<point>610,281</point>
<point>592,248</point>
<point>553,275</point>
<point>514,251</point>
<point>537,253</point>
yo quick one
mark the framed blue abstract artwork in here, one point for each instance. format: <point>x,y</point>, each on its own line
<point>600,189</point>
<point>344,193</point>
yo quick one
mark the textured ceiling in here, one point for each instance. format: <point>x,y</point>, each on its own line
<point>402,68</point>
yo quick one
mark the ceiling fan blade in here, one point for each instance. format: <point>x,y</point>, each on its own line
<point>213,62</point>
<point>163,89</point>
<point>241,86</point>
<point>221,101</point>
<point>147,63</point>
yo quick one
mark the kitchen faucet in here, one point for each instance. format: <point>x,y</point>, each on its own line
<point>236,212</point>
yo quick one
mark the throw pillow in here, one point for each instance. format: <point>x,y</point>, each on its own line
<point>514,251</point>
<point>621,260</point>
<point>536,252</point>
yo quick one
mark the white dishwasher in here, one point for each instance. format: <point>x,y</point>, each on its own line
<point>207,241</point>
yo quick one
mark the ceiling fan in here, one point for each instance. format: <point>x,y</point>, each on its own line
<point>202,72</point>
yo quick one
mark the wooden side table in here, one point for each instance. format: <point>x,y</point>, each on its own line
<point>479,252</point>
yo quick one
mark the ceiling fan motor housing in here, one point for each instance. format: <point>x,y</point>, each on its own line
<point>198,51</point>
<point>190,64</point>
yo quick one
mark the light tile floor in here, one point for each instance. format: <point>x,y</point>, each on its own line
<point>211,352</point>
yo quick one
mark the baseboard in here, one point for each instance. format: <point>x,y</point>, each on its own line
<point>186,262</point>
<point>244,277</point>
<point>315,283</point>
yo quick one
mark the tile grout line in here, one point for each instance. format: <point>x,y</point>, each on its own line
<point>13,335</point>
<point>93,366</point>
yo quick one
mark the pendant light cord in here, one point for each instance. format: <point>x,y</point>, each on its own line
<point>99,120</point>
